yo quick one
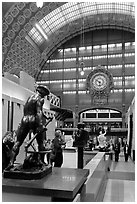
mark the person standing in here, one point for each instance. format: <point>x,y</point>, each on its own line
<point>8,142</point>
<point>81,139</point>
<point>58,145</point>
<point>126,151</point>
<point>91,144</point>
<point>116,149</point>
<point>119,144</point>
<point>49,148</point>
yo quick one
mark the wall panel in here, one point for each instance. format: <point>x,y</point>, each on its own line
<point>17,113</point>
<point>70,75</point>
<point>129,71</point>
<point>56,75</point>
<point>54,65</point>
<point>130,60</point>
<point>69,99</point>
<point>70,64</point>
<point>115,72</point>
<point>5,113</point>
<point>56,87</point>
<point>69,86</point>
<point>84,99</point>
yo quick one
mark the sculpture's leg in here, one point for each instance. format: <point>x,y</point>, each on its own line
<point>40,140</point>
<point>14,153</point>
<point>22,132</point>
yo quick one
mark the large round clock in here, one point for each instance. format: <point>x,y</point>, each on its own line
<point>100,82</point>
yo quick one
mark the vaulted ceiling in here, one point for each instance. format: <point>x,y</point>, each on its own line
<point>32,34</point>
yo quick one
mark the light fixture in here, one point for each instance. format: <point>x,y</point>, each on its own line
<point>82,46</point>
<point>82,72</point>
<point>82,68</point>
<point>39,4</point>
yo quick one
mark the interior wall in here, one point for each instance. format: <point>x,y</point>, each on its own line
<point>14,90</point>
<point>131,111</point>
<point>27,81</point>
<point>5,114</point>
<point>17,112</point>
<point>64,83</point>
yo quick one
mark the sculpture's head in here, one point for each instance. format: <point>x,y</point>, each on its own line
<point>43,90</point>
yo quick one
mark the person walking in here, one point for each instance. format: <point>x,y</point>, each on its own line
<point>58,145</point>
<point>49,148</point>
<point>126,151</point>
<point>116,149</point>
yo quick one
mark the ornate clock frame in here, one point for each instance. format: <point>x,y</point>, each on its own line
<point>100,82</point>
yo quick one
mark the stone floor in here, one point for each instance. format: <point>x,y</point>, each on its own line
<point>121,183</point>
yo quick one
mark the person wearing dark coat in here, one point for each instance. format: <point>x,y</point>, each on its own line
<point>126,151</point>
<point>7,144</point>
<point>58,144</point>
<point>116,150</point>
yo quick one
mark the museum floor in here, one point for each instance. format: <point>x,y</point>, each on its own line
<point>121,182</point>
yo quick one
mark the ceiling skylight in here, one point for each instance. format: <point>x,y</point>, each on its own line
<point>69,12</point>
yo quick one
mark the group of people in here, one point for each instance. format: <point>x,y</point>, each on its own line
<point>117,149</point>
<point>104,145</point>
<point>53,149</point>
<point>56,146</point>
<point>116,146</point>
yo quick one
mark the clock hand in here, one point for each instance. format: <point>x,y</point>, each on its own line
<point>99,82</point>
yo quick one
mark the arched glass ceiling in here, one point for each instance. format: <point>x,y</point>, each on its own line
<point>70,12</point>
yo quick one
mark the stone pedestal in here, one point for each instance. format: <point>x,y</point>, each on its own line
<point>17,172</point>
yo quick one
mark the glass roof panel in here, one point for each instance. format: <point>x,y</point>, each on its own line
<point>68,5</point>
<point>51,21</point>
<point>88,8</point>
<point>36,36</point>
<point>42,22</point>
<point>75,10</point>
<point>70,14</point>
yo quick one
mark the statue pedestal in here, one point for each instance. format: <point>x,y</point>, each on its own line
<point>80,157</point>
<point>17,172</point>
<point>80,145</point>
<point>61,185</point>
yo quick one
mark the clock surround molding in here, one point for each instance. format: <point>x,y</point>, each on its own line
<point>100,82</point>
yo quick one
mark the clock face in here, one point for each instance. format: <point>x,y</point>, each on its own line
<point>99,81</point>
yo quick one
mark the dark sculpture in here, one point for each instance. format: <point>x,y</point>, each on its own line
<point>81,136</point>
<point>32,161</point>
<point>32,120</point>
<point>80,141</point>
